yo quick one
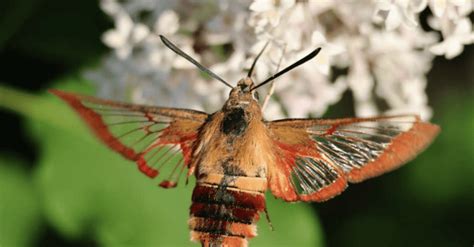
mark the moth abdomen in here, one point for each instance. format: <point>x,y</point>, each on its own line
<point>224,215</point>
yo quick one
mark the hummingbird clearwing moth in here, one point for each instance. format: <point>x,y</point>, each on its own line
<point>236,155</point>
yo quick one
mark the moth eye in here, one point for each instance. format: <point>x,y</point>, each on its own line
<point>255,95</point>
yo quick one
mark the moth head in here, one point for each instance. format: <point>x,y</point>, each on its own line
<point>242,94</point>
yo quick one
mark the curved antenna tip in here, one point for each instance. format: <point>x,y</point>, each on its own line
<point>249,74</point>
<point>181,53</point>
<point>303,60</point>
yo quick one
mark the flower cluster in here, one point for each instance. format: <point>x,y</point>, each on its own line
<point>376,49</point>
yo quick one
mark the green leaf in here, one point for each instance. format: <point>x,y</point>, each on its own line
<point>20,213</point>
<point>46,109</point>
<point>295,224</point>
<point>444,173</point>
<point>90,190</point>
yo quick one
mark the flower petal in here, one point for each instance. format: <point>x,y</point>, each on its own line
<point>167,23</point>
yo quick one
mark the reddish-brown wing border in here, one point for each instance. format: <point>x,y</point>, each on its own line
<point>182,128</point>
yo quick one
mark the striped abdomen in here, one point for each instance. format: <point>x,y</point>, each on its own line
<point>224,213</point>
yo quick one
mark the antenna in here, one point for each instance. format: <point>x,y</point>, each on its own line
<point>190,59</point>
<point>256,59</point>
<point>294,65</point>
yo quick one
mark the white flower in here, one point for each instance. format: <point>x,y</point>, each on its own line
<point>360,82</point>
<point>460,35</point>
<point>167,23</point>
<point>268,13</point>
<point>110,6</point>
<point>389,13</point>
<point>451,17</point>
<point>271,9</point>
<point>438,7</point>
<point>394,13</point>
<point>125,36</point>
<point>378,42</point>
<point>328,50</point>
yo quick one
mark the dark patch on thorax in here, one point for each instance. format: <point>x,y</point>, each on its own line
<point>234,122</point>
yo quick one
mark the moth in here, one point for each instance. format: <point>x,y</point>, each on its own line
<point>236,155</point>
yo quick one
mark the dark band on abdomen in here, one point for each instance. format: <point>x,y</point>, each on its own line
<point>224,216</point>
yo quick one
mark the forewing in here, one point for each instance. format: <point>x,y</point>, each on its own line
<point>153,137</point>
<point>316,158</point>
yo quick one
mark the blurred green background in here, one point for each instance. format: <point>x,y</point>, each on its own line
<point>60,187</point>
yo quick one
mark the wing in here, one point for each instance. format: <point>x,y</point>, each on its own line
<point>315,159</point>
<point>153,137</point>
